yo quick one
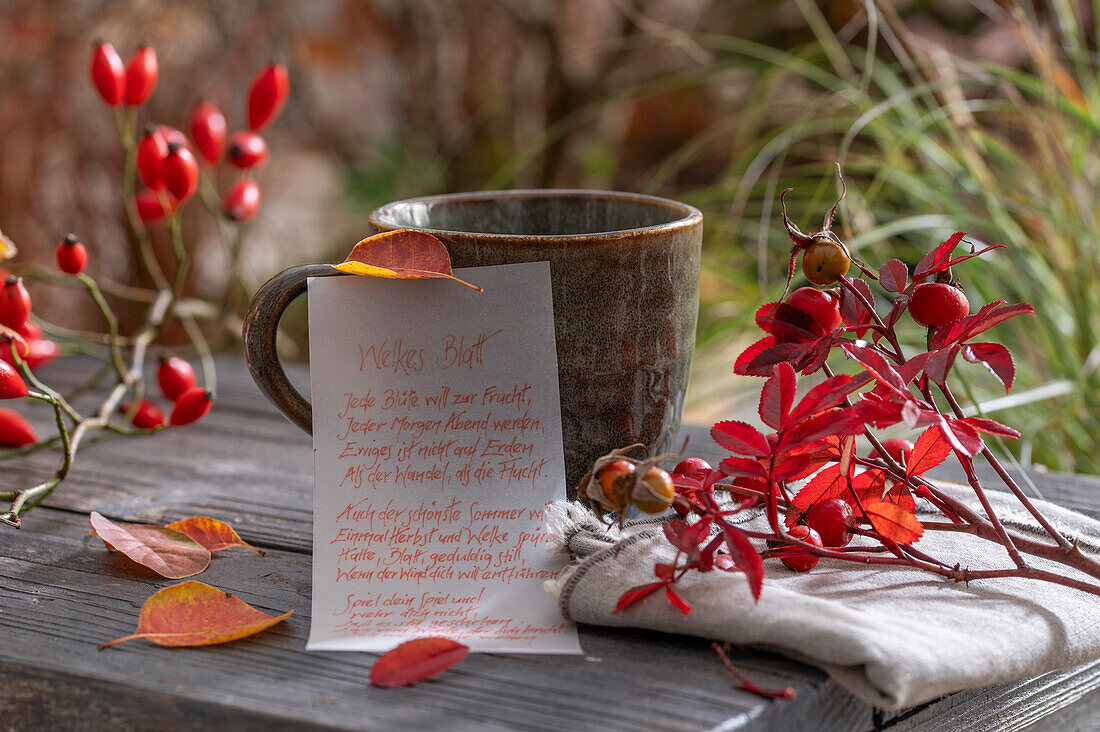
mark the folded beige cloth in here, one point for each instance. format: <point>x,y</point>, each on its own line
<point>895,637</point>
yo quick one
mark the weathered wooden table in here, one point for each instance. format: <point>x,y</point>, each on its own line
<point>61,594</point>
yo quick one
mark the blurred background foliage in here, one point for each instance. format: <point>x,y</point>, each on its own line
<point>974,115</point>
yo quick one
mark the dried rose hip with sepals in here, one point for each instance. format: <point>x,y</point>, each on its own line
<point>617,481</point>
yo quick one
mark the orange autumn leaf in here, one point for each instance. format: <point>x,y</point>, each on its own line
<point>403,254</point>
<point>212,534</point>
<point>196,614</point>
<point>416,660</point>
<point>894,522</point>
<point>166,551</point>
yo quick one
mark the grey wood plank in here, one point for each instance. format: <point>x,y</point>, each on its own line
<point>61,593</point>
<point>247,465</point>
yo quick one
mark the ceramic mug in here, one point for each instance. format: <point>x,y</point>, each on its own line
<point>624,271</point>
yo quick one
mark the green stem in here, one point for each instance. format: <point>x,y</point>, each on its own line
<point>112,322</point>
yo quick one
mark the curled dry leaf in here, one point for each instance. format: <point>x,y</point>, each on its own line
<point>403,254</point>
<point>167,552</point>
<point>416,660</point>
<point>212,534</point>
<point>196,614</point>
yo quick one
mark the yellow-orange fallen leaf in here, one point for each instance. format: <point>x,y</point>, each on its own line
<point>214,535</point>
<point>166,551</point>
<point>404,254</point>
<point>196,614</point>
<point>416,660</point>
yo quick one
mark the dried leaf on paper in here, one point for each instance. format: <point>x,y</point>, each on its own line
<point>416,660</point>
<point>196,614</point>
<point>404,254</point>
<point>212,534</point>
<point>167,552</point>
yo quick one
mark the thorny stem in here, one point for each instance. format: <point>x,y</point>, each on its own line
<point>1008,480</point>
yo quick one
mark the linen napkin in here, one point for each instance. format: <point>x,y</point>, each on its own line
<point>895,637</point>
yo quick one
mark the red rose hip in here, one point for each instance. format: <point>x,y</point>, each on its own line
<point>108,74</point>
<point>151,152</point>
<point>12,385</point>
<point>147,416</point>
<point>822,306</point>
<point>141,75</point>
<point>267,95</point>
<point>192,406</point>
<point>15,430</point>
<point>72,256</point>
<point>242,200</point>
<point>174,376</point>
<point>15,302</point>
<point>936,304</point>
<point>208,131</point>
<point>802,562</point>
<point>832,519</point>
<point>180,172</point>
<point>247,150</point>
<point>694,467</point>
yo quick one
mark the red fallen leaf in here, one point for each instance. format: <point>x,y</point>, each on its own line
<point>167,552</point>
<point>214,535</point>
<point>403,254</point>
<point>930,449</point>
<point>634,594</point>
<point>416,660</point>
<point>894,522</point>
<point>678,602</point>
<point>196,614</point>
<point>777,396</point>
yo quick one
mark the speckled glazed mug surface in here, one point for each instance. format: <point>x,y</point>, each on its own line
<point>624,271</point>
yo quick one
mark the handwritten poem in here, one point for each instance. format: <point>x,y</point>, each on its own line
<point>437,445</point>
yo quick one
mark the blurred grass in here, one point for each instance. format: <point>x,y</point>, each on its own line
<point>931,142</point>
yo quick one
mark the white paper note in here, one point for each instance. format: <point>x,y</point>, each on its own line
<point>437,445</point>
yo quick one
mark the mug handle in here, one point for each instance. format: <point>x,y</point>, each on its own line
<point>261,323</point>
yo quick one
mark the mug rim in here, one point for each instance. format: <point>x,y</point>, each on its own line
<point>689,216</point>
